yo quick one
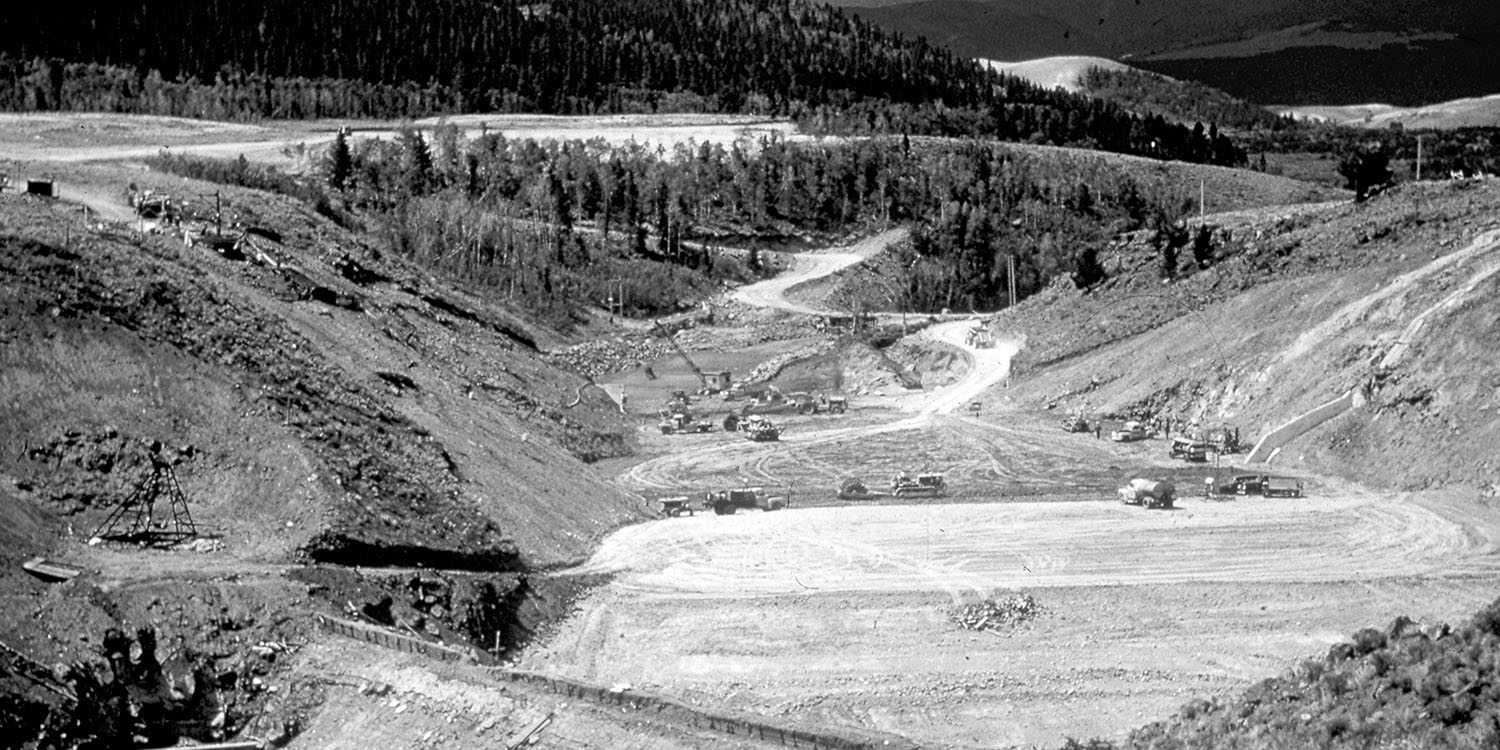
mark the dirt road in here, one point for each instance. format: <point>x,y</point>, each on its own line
<point>808,266</point>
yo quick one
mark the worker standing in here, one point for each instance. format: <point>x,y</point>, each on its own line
<point>1098,430</point>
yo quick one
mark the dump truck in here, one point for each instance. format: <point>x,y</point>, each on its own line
<point>1152,493</point>
<point>1189,449</point>
<point>682,422</point>
<point>922,485</point>
<point>1262,484</point>
<point>726,502</point>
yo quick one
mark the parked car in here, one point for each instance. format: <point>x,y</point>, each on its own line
<point>1130,432</point>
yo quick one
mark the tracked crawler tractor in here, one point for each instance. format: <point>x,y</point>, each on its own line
<point>922,485</point>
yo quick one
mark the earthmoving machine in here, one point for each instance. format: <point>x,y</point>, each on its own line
<point>149,204</point>
<point>1075,423</point>
<point>683,422</point>
<point>855,489</point>
<point>922,485</point>
<point>759,429</point>
<point>673,507</point>
<point>773,401</point>
<point>726,502</point>
<point>1188,449</point>
<point>1262,484</point>
<point>1152,493</point>
<point>1221,438</point>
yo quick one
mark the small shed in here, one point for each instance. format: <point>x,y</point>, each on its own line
<point>718,381</point>
<point>44,188</point>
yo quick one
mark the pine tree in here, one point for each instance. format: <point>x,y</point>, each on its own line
<point>340,164</point>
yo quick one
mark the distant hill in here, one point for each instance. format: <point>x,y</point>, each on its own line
<point>1274,52</point>
<point>1475,112</point>
<point>401,58</point>
<point>1065,72</point>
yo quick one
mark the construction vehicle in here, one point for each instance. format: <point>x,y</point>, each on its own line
<point>673,507</point>
<point>679,401</point>
<point>854,489</point>
<point>1262,484</point>
<point>837,404</point>
<point>1152,493</point>
<point>1075,423</point>
<point>682,422</point>
<point>759,429</point>
<point>1189,449</point>
<point>773,401</point>
<point>1224,439</point>
<point>149,204</point>
<point>706,385</point>
<point>726,502</point>
<point>922,485</point>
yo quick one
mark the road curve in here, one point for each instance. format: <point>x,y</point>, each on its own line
<point>808,266</point>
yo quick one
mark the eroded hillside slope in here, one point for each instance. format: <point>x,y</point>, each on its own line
<point>1392,302</point>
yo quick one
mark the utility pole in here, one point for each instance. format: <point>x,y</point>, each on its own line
<point>1202,200</point>
<point>1419,158</point>
<point>1010,275</point>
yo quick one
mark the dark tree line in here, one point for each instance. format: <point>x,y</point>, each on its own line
<point>406,58</point>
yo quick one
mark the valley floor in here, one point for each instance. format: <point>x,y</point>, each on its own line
<point>840,615</point>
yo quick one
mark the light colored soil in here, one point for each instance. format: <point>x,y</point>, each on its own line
<point>840,611</point>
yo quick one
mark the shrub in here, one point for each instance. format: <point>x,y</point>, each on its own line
<point>1367,640</point>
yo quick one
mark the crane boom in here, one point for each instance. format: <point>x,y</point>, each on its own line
<point>702,379</point>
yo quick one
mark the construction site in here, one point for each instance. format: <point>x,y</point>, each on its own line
<point>266,484</point>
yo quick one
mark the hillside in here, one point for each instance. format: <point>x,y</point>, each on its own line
<point>1281,52</point>
<point>1290,309</point>
<point>323,405</point>
<point>1066,72</point>
<point>1473,112</point>
<point>788,58</point>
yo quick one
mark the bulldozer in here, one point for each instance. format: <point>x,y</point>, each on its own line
<point>726,502</point>
<point>922,485</point>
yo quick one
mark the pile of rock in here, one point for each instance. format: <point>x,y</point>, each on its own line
<point>594,358</point>
<point>997,614</point>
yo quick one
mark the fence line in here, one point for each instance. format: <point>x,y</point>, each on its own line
<point>735,724</point>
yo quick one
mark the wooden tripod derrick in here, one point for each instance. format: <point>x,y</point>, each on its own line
<point>137,520</point>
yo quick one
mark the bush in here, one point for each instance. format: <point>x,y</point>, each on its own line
<point>1367,640</point>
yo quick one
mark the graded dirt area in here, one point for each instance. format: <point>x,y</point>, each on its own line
<point>838,615</point>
